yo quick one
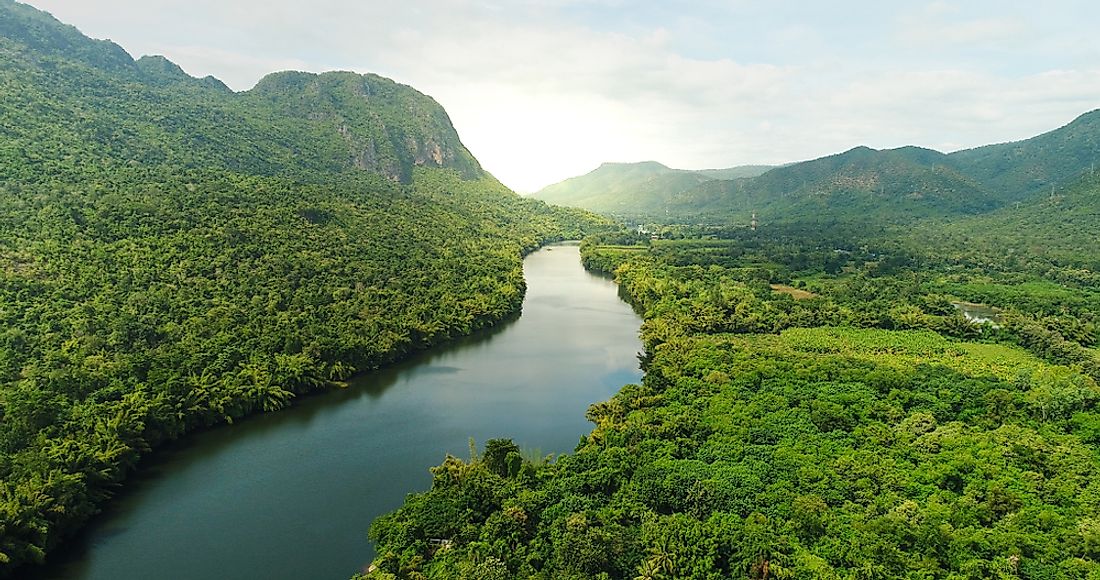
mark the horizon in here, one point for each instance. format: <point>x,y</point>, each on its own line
<point>552,89</point>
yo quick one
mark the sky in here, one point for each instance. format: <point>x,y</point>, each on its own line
<point>543,90</point>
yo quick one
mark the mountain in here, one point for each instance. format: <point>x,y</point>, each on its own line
<point>736,172</point>
<point>175,255</point>
<point>635,188</point>
<point>622,187</point>
<point>1015,170</point>
<point>910,182</point>
<point>149,110</point>
<point>862,183</point>
<point>374,123</point>
<point>897,184</point>
<point>891,186</point>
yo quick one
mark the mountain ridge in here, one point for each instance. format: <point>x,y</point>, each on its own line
<point>1024,167</point>
<point>896,185</point>
<point>620,188</point>
<point>354,122</point>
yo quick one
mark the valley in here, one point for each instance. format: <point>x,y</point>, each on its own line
<point>298,330</point>
<point>868,429</point>
<point>178,256</point>
<point>287,493</point>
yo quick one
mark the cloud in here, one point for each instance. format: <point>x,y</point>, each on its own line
<point>938,31</point>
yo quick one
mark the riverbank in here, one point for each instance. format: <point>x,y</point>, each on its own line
<point>288,494</point>
<point>779,437</point>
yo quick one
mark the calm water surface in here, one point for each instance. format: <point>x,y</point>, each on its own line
<point>291,494</point>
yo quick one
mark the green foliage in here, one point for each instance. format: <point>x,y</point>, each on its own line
<point>862,186</point>
<point>866,431</point>
<point>1031,166</point>
<point>1051,237</point>
<point>636,189</point>
<point>71,103</point>
<point>174,255</point>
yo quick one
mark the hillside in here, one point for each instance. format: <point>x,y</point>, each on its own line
<point>174,255</point>
<point>901,185</point>
<point>859,184</point>
<point>63,91</point>
<point>1058,157</point>
<point>1042,234</point>
<point>633,189</point>
<point>891,185</point>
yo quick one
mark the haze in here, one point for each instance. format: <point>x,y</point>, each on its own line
<point>544,90</point>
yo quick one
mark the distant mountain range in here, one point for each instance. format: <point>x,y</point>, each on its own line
<point>895,185</point>
<point>633,188</point>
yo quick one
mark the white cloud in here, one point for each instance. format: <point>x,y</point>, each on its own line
<point>938,32</point>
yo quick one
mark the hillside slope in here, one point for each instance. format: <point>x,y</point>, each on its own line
<point>900,185</point>
<point>1015,170</point>
<point>174,255</point>
<point>65,92</point>
<point>859,184</point>
<point>1042,234</point>
<point>632,189</point>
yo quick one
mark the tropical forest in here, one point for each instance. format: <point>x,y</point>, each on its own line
<point>874,364</point>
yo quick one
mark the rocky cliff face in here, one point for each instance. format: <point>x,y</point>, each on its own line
<point>384,126</point>
<point>151,111</point>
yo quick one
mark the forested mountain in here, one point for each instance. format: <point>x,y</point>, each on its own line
<point>1014,170</point>
<point>633,189</point>
<point>90,99</point>
<point>860,185</point>
<point>1045,233</point>
<point>175,255</point>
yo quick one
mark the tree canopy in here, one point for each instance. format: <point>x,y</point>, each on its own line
<point>174,255</point>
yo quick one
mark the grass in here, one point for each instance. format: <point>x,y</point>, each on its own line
<point>910,348</point>
<point>795,293</point>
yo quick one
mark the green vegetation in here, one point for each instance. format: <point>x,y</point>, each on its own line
<point>174,255</point>
<point>1019,169</point>
<point>71,103</point>
<point>1046,236</point>
<point>859,186</point>
<point>868,431</point>
<point>636,189</point>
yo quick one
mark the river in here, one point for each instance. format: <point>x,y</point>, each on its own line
<point>291,494</point>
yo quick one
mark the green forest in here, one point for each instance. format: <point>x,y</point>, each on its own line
<point>175,256</point>
<point>892,373</point>
<point>815,405</point>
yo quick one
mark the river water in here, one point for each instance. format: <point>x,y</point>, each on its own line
<point>291,494</point>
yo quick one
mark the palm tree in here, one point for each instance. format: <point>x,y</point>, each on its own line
<point>661,562</point>
<point>648,570</point>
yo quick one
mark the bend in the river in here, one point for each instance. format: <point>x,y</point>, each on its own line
<point>291,494</point>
